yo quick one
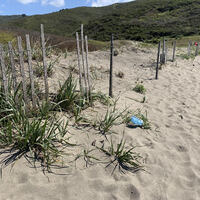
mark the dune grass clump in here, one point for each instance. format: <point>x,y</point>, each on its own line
<point>67,95</point>
<point>10,110</point>
<point>122,157</point>
<point>102,98</point>
<point>39,70</point>
<point>41,138</point>
<point>139,88</point>
<point>88,157</point>
<point>109,120</point>
<point>38,138</point>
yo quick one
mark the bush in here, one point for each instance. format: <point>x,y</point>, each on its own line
<point>139,89</point>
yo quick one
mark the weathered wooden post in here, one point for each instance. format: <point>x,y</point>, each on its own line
<point>3,70</point>
<point>174,51</point>
<point>166,51</point>
<point>111,67</point>
<point>44,63</point>
<point>87,66</point>
<point>79,64</point>
<point>158,58</point>
<point>21,60</point>
<point>162,56</point>
<point>29,53</point>
<point>12,62</point>
<point>189,48</point>
<point>197,49</point>
<point>83,62</point>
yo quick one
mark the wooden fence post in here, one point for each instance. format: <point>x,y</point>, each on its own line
<point>83,62</point>
<point>166,51</point>
<point>12,62</point>
<point>87,66</point>
<point>28,48</point>
<point>21,60</point>
<point>111,67</point>
<point>162,56</point>
<point>189,48</point>
<point>44,63</point>
<point>197,49</point>
<point>158,58</point>
<point>174,51</point>
<point>79,64</point>
<point>3,69</point>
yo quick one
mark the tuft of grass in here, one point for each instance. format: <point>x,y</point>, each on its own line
<point>139,88</point>
<point>122,157</point>
<point>126,117</point>
<point>38,91</point>
<point>88,158</point>
<point>109,120</point>
<point>102,98</point>
<point>39,70</point>
<point>143,99</point>
<point>10,110</point>
<point>43,139</point>
<point>67,95</point>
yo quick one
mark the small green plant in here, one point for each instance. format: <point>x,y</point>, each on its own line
<point>143,99</point>
<point>109,120</point>
<point>123,157</point>
<point>102,98</point>
<point>89,159</point>
<point>139,88</point>
<point>126,117</point>
<point>67,95</point>
<point>39,70</point>
<point>38,91</point>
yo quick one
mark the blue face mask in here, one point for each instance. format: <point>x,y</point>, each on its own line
<point>136,121</point>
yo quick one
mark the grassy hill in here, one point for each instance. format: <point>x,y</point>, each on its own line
<point>144,20</point>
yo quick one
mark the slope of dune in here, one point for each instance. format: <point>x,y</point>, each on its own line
<point>169,150</point>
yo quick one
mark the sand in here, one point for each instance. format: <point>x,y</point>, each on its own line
<point>170,150</point>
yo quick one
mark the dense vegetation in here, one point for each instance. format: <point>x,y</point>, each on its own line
<point>144,20</point>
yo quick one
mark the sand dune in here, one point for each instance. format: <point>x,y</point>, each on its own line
<point>170,150</point>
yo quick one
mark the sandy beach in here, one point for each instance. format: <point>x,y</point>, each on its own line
<point>169,150</point>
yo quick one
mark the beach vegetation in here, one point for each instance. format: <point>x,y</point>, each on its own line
<point>139,88</point>
<point>122,157</point>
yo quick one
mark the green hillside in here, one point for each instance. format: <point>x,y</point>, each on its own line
<point>7,18</point>
<point>145,20</point>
